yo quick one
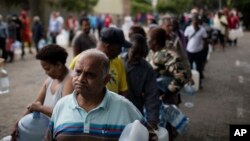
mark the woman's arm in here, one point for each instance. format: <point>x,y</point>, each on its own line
<point>37,105</point>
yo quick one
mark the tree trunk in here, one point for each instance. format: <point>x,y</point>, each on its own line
<point>37,8</point>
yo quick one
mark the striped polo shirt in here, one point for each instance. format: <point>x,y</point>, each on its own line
<point>105,122</point>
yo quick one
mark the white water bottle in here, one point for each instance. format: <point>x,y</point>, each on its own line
<point>4,79</point>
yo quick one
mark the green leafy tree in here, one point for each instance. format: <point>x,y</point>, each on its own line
<point>142,6</point>
<point>243,7</point>
<point>11,3</point>
<point>173,6</point>
<point>78,5</point>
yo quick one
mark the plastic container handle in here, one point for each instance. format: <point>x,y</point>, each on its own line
<point>36,115</point>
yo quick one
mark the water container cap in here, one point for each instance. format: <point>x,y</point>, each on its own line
<point>134,132</point>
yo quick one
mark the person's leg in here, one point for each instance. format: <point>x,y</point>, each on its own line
<point>2,46</point>
<point>170,131</point>
<point>11,53</point>
<point>53,37</point>
<point>22,47</point>
<point>36,46</point>
<point>230,42</point>
<point>30,47</point>
<point>99,31</point>
<point>222,40</point>
<point>235,42</point>
<point>204,56</point>
<point>198,62</point>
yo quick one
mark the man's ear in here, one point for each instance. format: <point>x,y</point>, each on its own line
<point>107,78</point>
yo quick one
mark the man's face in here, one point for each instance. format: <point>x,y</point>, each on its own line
<point>86,27</point>
<point>88,77</point>
<point>111,50</point>
<point>136,52</point>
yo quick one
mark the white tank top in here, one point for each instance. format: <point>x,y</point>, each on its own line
<point>51,99</point>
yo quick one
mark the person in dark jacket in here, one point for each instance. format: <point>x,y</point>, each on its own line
<point>141,78</point>
<point>19,27</point>
<point>3,36</point>
<point>37,32</point>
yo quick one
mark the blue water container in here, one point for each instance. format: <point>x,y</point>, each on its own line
<point>33,127</point>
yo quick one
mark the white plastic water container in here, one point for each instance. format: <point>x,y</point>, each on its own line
<point>33,127</point>
<point>4,79</point>
<point>162,134</point>
<point>63,39</point>
<point>7,138</point>
<point>134,132</point>
<point>196,78</point>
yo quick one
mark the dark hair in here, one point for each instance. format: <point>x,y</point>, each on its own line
<point>159,35</point>
<point>138,39</point>
<point>138,30</point>
<point>53,54</point>
<point>84,19</point>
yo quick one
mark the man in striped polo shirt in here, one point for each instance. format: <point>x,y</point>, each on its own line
<point>92,112</point>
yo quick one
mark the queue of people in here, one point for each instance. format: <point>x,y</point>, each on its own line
<point>112,82</point>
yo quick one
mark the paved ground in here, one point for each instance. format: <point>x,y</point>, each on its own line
<point>224,100</point>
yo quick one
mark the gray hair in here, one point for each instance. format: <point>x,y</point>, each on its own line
<point>100,55</point>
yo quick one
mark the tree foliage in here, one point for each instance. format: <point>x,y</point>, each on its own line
<point>173,6</point>
<point>78,5</point>
<point>142,6</point>
<point>11,3</point>
<point>243,7</point>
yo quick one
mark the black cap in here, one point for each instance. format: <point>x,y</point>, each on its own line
<point>114,35</point>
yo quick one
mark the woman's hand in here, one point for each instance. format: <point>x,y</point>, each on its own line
<point>35,106</point>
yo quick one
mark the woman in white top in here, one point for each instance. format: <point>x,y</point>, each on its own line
<point>57,85</point>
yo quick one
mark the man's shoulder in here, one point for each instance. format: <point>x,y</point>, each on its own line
<point>190,27</point>
<point>118,59</point>
<point>116,98</point>
<point>117,63</point>
<point>145,64</point>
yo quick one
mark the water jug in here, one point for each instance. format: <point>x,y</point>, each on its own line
<point>4,79</point>
<point>196,78</point>
<point>33,127</point>
<point>134,132</point>
<point>176,118</point>
<point>162,134</point>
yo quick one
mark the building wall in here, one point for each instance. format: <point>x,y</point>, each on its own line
<point>116,8</point>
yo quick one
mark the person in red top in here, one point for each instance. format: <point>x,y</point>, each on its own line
<point>25,31</point>
<point>233,23</point>
<point>107,20</point>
